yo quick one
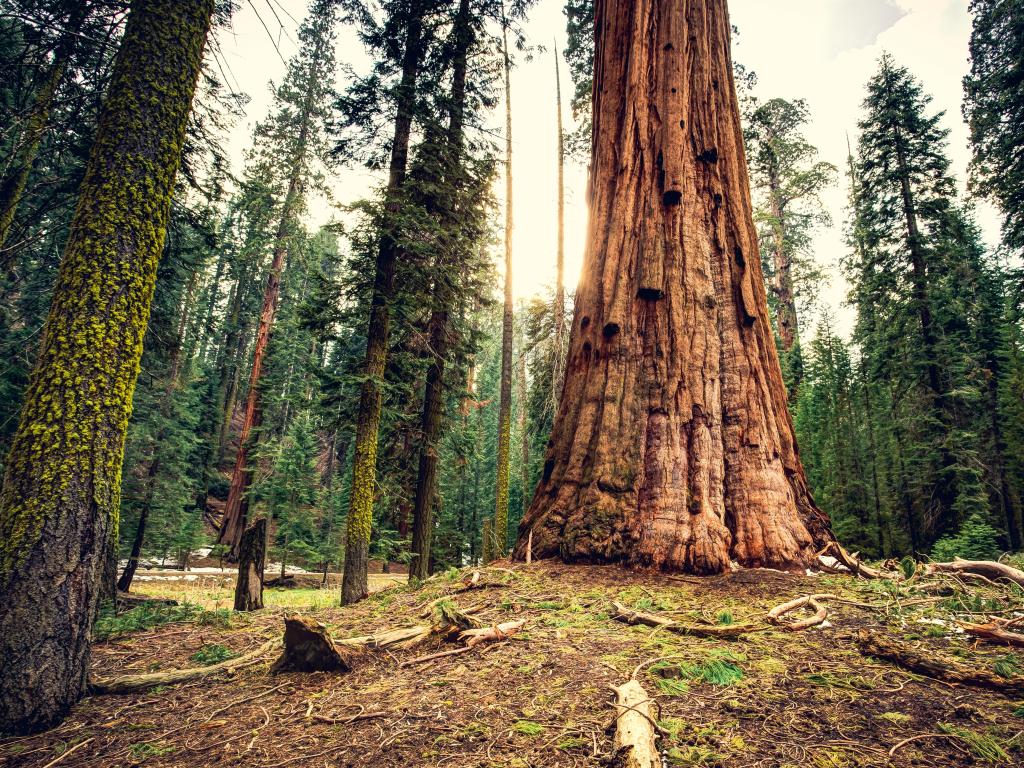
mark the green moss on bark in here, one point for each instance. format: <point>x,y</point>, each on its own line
<point>61,490</point>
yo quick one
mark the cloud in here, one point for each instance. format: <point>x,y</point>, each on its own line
<point>858,23</point>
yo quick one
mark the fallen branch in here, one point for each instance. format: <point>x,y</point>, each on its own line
<point>994,631</point>
<point>928,663</point>
<point>851,562</point>
<point>472,638</point>
<point>812,601</point>
<point>635,745</point>
<point>138,683</point>
<point>723,632</point>
<point>404,637</point>
<point>988,569</point>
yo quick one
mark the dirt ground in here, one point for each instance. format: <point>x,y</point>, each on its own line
<point>541,698</point>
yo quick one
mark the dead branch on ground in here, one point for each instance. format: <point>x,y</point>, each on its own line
<point>930,664</point>
<point>988,569</point>
<point>724,632</point>
<point>137,683</point>
<point>812,601</point>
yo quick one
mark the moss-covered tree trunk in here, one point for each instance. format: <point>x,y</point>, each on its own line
<point>501,492</point>
<point>672,446</point>
<point>364,468</point>
<point>61,490</point>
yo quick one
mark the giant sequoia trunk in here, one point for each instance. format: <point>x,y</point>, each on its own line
<point>672,446</point>
<point>63,475</point>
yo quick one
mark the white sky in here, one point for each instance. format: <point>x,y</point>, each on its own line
<point>821,50</point>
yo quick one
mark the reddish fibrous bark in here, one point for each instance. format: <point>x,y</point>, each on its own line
<point>672,445</point>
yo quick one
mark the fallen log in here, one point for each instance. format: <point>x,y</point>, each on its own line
<point>723,632</point>
<point>988,569</point>
<point>635,745</point>
<point>993,631</point>
<point>812,601</point>
<point>308,648</point>
<point>932,665</point>
<point>138,683</point>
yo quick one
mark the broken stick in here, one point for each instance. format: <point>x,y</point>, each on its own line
<point>812,601</point>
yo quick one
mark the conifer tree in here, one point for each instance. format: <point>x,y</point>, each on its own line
<point>60,494</point>
<point>297,131</point>
<point>911,240</point>
<point>787,179</point>
<point>992,107</point>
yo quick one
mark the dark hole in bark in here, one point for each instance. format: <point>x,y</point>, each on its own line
<point>682,123</point>
<point>718,199</point>
<point>650,294</point>
<point>668,47</point>
<point>710,302</point>
<point>709,156</point>
<point>672,197</point>
<point>586,347</point>
<point>549,467</point>
<point>584,322</point>
<point>673,90</point>
<point>739,257</point>
<point>611,329</point>
<point>714,84</point>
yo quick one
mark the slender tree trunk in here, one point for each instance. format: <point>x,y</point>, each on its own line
<point>364,471</point>
<point>237,507</point>
<point>500,524</point>
<point>61,490</point>
<point>524,436</point>
<point>558,353</point>
<point>672,446</point>
<point>782,279</point>
<point>124,584</point>
<point>444,297</point>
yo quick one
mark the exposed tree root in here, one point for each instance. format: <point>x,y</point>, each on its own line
<point>635,745</point>
<point>988,569</point>
<point>724,632</point>
<point>812,601</point>
<point>851,562</point>
<point>932,665</point>
<point>138,683</point>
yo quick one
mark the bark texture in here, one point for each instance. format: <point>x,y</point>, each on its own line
<point>252,557</point>
<point>61,490</point>
<point>672,445</point>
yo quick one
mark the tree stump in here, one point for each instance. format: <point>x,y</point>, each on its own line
<point>252,555</point>
<point>308,648</point>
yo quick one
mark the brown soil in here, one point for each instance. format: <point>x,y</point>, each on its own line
<point>541,698</point>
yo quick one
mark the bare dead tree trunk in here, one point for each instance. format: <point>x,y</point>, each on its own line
<point>252,557</point>
<point>672,446</point>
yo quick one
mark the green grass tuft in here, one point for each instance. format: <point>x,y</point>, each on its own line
<point>145,616</point>
<point>981,745</point>
<point>212,653</point>
<point>1008,666</point>
<point>528,728</point>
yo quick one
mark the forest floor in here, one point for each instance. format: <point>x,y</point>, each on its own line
<point>542,697</point>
